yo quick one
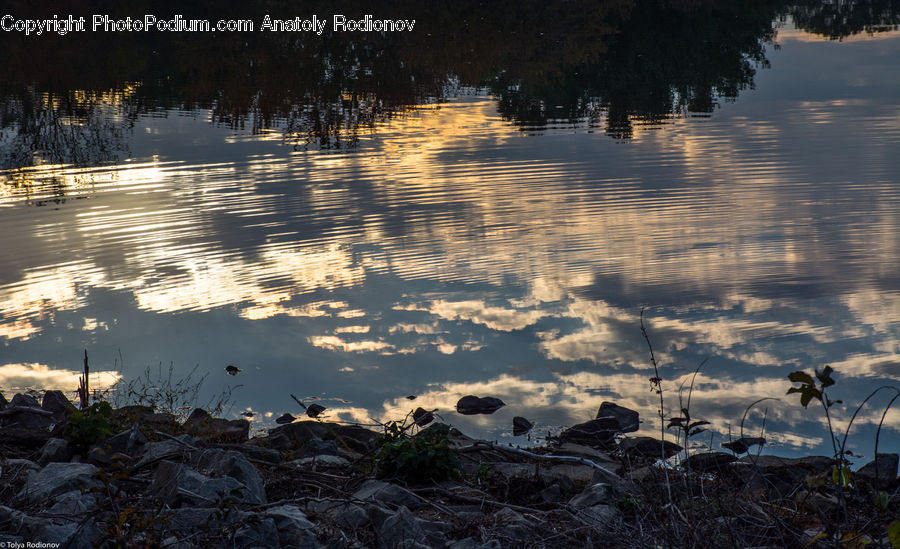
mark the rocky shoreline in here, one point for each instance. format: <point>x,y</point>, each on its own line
<point>155,482</point>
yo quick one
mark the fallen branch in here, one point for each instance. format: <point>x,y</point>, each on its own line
<point>570,459</point>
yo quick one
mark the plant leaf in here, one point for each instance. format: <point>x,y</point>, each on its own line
<point>801,377</point>
<point>825,376</point>
<point>894,534</point>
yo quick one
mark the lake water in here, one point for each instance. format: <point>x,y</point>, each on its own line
<point>356,219</point>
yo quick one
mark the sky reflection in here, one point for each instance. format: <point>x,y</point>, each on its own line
<point>451,254</point>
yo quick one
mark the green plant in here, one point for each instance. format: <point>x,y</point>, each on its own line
<point>89,426</point>
<point>427,456</point>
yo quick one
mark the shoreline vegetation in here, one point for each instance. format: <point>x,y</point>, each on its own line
<point>139,476</point>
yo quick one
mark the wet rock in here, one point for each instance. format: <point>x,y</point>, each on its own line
<point>595,494</point>
<point>386,493</point>
<point>743,444</point>
<point>472,405</point>
<point>708,462</point>
<point>295,531</point>
<point>58,478</point>
<point>422,417</point>
<point>176,482</point>
<point>25,401</point>
<point>55,450</point>
<point>628,419</point>
<point>259,533</point>
<point>232,464</point>
<point>886,467</point>
<point>521,426</point>
<point>597,432</point>
<point>648,448</point>
<point>56,403</point>
<point>212,429</point>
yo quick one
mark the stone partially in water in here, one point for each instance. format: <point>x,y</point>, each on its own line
<point>471,405</point>
<point>628,419</point>
<point>521,426</point>
<point>592,433</point>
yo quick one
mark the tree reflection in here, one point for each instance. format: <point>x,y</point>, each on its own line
<point>610,63</point>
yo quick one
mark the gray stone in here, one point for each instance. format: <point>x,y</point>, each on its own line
<point>511,524</point>
<point>342,513</point>
<point>212,429</point>
<point>55,450</point>
<point>470,543</point>
<point>404,529</point>
<point>74,502</point>
<point>471,405</point>
<point>595,494</point>
<point>386,493</point>
<point>648,448</point>
<point>56,403</point>
<point>295,531</point>
<point>628,419</point>
<point>252,451</point>
<point>256,534</point>
<point>84,536</point>
<point>27,401</point>
<point>189,519</point>
<point>707,462</point>
<point>128,441</point>
<point>183,446</point>
<point>233,464</point>
<point>3,402</point>
<point>598,516</point>
<point>597,432</point>
<point>58,478</point>
<point>175,482</point>
<point>316,447</point>
<point>886,469</point>
<point>551,494</point>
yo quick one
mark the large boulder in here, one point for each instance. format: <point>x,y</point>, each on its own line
<point>55,450</point>
<point>175,483</point>
<point>596,433</point>
<point>56,403</point>
<point>58,478</point>
<point>295,531</point>
<point>229,463</point>
<point>628,419</point>
<point>310,434</point>
<point>212,429</point>
<point>880,472</point>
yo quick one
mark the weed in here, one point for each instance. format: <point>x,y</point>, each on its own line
<point>87,427</point>
<point>427,456</point>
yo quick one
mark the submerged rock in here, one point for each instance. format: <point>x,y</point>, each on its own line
<point>471,405</point>
<point>521,426</point>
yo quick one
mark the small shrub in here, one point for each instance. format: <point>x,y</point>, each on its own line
<point>87,427</point>
<point>429,456</point>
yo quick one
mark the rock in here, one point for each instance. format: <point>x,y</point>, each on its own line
<point>707,462</point>
<point>743,444</point>
<point>56,403</point>
<point>471,405</point>
<point>57,478</point>
<point>74,502</point>
<point>512,525</point>
<point>648,448</point>
<point>228,463</point>
<point>187,519</point>
<point>521,426</point>
<point>55,450</point>
<point>144,416</point>
<point>628,419</point>
<point>470,543</point>
<point>387,493</point>
<point>404,529</point>
<point>597,432</point>
<point>253,451</point>
<point>350,437</point>
<point>422,417</point>
<point>3,402</point>
<point>595,494</point>
<point>256,534</point>
<point>213,429</point>
<point>318,448</point>
<point>776,475</point>
<point>128,441</point>
<point>182,447</point>
<point>295,531</point>
<point>315,410</point>
<point>26,401</point>
<point>551,494</point>
<point>886,470</point>
<point>342,513</point>
<point>284,419</point>
<point>598,516</point>
<point>176,482</point>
